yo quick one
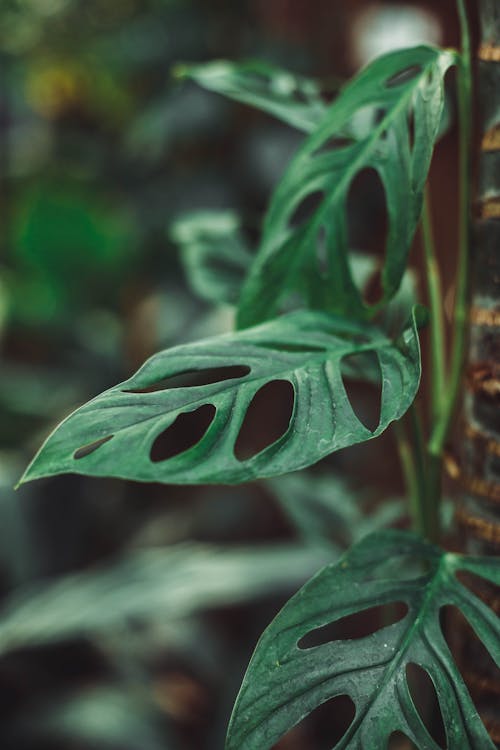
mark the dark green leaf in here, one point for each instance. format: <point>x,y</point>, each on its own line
<point>214,253</point>
<point>115,433</point>
<point>285,681</point>
<point>294,99</point>
<point>387,120</point>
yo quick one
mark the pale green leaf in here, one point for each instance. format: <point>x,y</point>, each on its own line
<point>216,257</point>
<point>387,119</point>
<point>101,718</point>
<point>292,98</point>
<point>214,253</point>
<point>170,584</point>
<point>327,508</point>
<point>285,681</point>
<point>115,433</point>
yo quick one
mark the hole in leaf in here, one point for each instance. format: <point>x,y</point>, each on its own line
<point>479,586</point>
<point>225,272</point>
<point>399,741</point>
<point>256,80</point>
<point>267,419</point>
<point>374,290</point>
<point>364,120</point>
<point>368,225</point>
<point>280,346</point>
<point>323,728</point>
<point>322,251</point>
<point>301,96</point>
<point>306,209</point>
<point>403,76</point>
<point>191,378</point>
<point>358,625</point>
<point>335,143</point>
<point>86,450</point>
<point>479,670</point>
<point>362,380</point>
<point>185,432</point>
<point>424,696</point>
<point>378,116</point>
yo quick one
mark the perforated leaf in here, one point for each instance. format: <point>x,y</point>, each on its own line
<point>387,119</point>
<point>286,681</point>
<point>216,256</point>
<point>214,253</point>
<point>292,98</point>
<point>115,433</point>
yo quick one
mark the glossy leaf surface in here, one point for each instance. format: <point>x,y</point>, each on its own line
<point>285,682</point>
<point>387,120</point>
<point>114,434</point>
<point>292,98</point>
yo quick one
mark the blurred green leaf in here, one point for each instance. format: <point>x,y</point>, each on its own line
<point>169,583</point>
<point>327,508</point>
<point>305,244</point>
<point>214,253</point>
<point>216,256</point>
<point>102,718</point>
<point>292,98</point>
<point>67,241</point>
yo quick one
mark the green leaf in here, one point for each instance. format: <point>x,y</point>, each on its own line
<point>387,120</point>
<point>216,257</point>
<point>214,253</point>
<point>103,718</point>
<point>115,433</point>
<point>327,508</point>
<point>292,98</point>
<point>285,682</point>
<point>170,584</point>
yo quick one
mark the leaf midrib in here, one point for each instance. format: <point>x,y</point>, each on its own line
<point>395,663</point>
<point>228,385</point>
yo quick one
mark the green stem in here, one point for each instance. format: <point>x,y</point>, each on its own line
<point>433,496</point>
<point>437,339</point>
<point>442,426</point>
<point>408,466</point>
<point>428,473</point>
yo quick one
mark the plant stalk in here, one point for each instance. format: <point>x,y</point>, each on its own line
<point>443,424</point>
<point>409,468</point>
<point>434,287</point>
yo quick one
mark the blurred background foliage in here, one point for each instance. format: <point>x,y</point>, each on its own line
<point>129,611</point>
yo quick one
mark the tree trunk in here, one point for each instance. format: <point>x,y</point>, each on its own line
<point>479,512</point>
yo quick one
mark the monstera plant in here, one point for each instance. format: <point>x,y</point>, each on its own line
<point>304,321</point>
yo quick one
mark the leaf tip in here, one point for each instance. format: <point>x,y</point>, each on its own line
<point>180,71</point>
<point>26,476</point>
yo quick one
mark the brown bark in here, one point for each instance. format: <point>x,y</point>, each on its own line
<point>479,512</point>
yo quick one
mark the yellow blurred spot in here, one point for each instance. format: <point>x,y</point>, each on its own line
<point>54,89</point>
